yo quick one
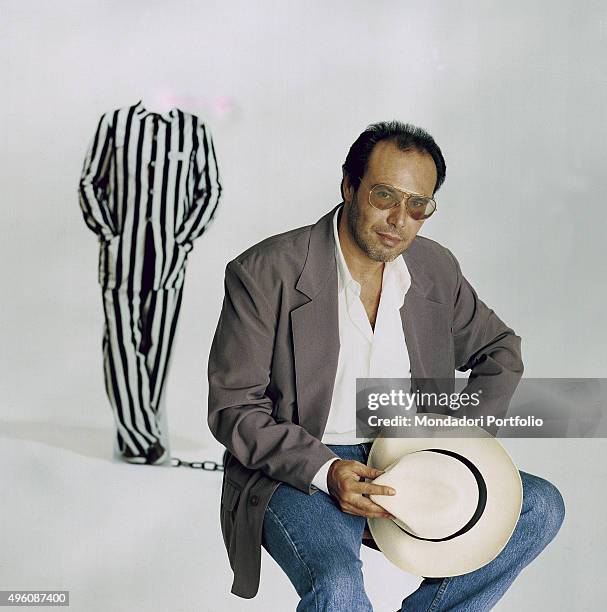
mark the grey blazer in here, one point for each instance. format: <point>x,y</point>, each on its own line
<point>274,357</point>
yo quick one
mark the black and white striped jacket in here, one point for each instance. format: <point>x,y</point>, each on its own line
<point>154,173</point>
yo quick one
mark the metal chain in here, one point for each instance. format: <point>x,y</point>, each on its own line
<point>209,466</point>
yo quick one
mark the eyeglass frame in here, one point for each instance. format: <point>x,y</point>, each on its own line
<point>406,197</point>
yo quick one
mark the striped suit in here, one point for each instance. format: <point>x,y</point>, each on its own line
<point>149,187</point>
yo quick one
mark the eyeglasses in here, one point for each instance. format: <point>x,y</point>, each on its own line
<point>384,197</point>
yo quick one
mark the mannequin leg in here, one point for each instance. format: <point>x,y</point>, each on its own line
<point>126,376</point>
<point>161,317</point>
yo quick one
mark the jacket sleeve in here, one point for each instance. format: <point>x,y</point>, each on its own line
<point>206,187</point>
<point>240,412</point>
<point>93,192</point>
<point>488,348</point>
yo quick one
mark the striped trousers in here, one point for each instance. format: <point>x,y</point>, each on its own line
<point>138,335</point>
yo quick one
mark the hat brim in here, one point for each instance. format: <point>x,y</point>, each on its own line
<point>487,538</point>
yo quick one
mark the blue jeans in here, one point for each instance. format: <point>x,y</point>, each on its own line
<point>318,547</point>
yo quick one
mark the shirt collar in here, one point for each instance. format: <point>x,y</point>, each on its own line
<point>396,274</point>
<point>141,111</point>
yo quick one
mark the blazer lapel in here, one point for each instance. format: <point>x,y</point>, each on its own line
<point>427,336</point>
<point>315,328</point>
<point>426,322</point>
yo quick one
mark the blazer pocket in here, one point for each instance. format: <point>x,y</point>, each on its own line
<point>230,496</point>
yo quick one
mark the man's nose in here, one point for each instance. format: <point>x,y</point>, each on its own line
<point>397,215</point>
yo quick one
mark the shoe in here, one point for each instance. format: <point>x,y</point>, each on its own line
<point>155,455</point>
<point>130,457</point>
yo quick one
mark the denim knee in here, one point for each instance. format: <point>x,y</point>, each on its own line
<point>340,584</point>
<point>545,503</point>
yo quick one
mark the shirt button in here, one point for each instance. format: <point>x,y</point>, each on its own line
<point>152,164</point>
<point>253,500</point>
<point>148,219</point>
<point>150,191</point>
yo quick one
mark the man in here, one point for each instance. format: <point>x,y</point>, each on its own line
<point>149,187</point>
<point>357,294</point>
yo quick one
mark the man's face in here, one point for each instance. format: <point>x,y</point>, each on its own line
<point>384,234</point>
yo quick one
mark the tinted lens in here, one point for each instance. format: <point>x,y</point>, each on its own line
<point>384,197</point>
<point>420,208</point>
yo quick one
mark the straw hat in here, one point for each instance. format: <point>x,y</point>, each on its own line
<point>458,499</point>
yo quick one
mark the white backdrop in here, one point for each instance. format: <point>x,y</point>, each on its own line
<point>513,92</point>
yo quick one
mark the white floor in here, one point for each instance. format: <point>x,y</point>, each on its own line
<point>138,538</point>
<point>124,537</point>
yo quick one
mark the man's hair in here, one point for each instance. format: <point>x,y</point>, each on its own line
<point>405,136</point>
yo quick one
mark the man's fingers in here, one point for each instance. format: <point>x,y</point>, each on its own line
<point>368,488</point>
<point>363,506</point>
<point>364,470</point>
<point>346,483</point>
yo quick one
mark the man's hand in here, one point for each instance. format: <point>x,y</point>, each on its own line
<point>346,484</point>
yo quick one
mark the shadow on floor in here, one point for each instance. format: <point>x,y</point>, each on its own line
<point>93,442</point>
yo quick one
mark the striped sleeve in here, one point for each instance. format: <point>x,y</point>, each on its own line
<point>93,182</point>
<point>207,187</point>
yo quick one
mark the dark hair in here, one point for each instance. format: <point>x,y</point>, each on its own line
<point>405,136</point>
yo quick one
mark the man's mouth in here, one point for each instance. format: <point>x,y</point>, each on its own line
<point>389,239</point>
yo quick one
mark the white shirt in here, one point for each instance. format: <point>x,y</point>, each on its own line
<point>364,352</point>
